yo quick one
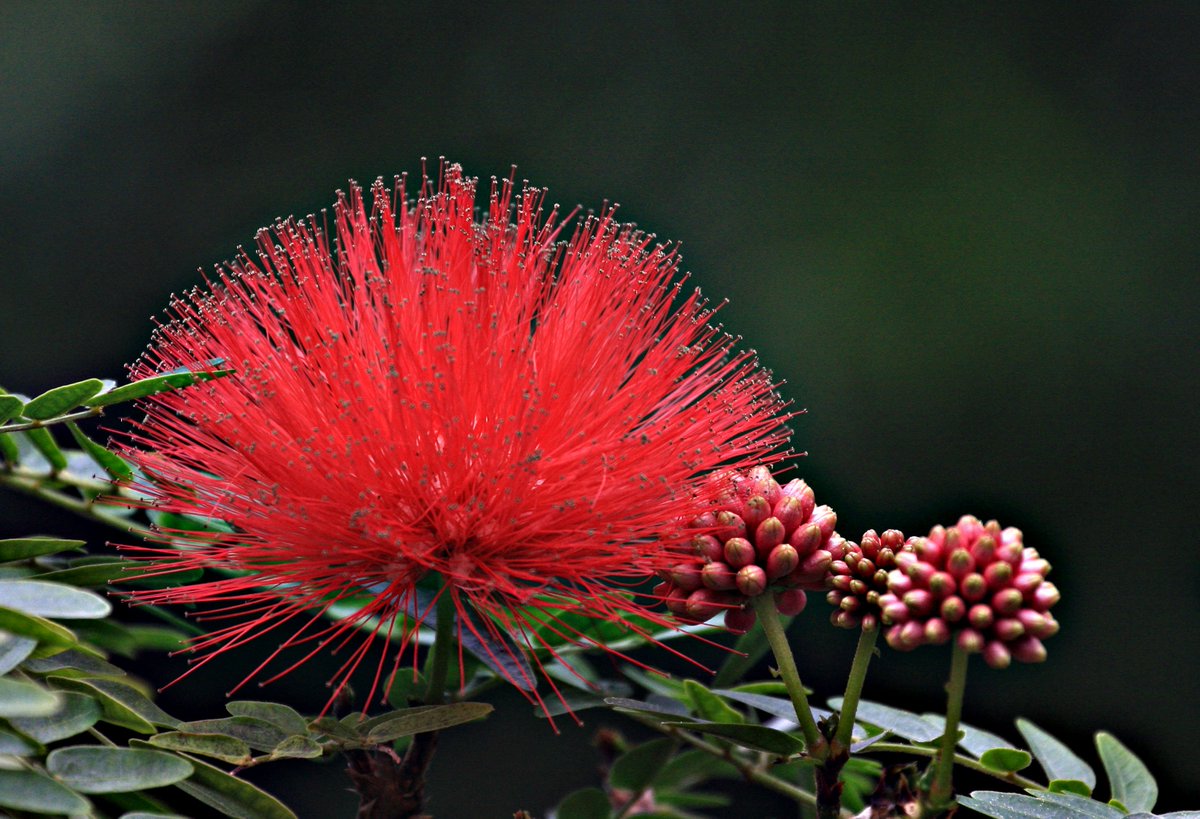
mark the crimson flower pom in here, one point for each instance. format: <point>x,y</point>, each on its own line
<point>495,406</point>
<point>976,583</point>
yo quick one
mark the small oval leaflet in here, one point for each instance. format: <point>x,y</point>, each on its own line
<point>91,769</point>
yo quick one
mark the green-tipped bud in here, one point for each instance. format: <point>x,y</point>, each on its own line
<point>998,575</point>
<point>1026,582</point>
<point>864,568</point>
<point>973,587</point>
<point>826,520</point>
<point>858,587</point>
<point>1034,565</point>
<point>782,561</point>
<point>739,621</point>
<point>929,551</point>
<point>706,521</point>
<point>936,632</point>
<point>686,576</point>
<point>790,602</point>
<point>841,582</point>
<point>892,539</point>
<point>981,616</point>
<point>806,539</point>
<point>919,602</point>
<point>898,581</point>
<point>942,584</point>
<point>730,525</point>
<point>851,604</point>
<point>895,612</point>
<point>870,621</point>
<point>704,604</point>
<point>844,619</point>
<point>985,550</point>
<point>1029,650</point>
<point>790,512</point>
<point>970,641</point>
<point>1045,596</point>
<point>1007,602</point>
<point>717,576</point>
<point>953,609</point>
<point>751,580</point>
<point>770,533</point>
<point>739,552</point>
<point>1008,629</point>
<point>960,563</point>
<point>997,655</point>
<point>870,544</point>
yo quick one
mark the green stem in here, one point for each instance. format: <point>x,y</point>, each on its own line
<point>36,486</point>
<point>22,426</point>
<point>437,666</point>
<point>854,685</point>
<point>959,759</point>
<point>768,616</point>
<point>941,792</point>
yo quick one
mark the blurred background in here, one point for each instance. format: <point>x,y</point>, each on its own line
<point>966,236</point>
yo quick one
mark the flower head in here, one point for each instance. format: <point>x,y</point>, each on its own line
<point>976,583</point>
<point>423,392</point>
<point>757,538</point>
<point>858,575</point>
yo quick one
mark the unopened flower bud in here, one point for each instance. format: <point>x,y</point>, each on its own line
<point>790,602</point>
<point>851,604</point>
<point>704,604</point>
<point>892,539</point>
<point>919,602</point>
<point>984,550</point>
<point>858,587</point>
<point>912,634</point>
<point>1045,596</point>
<point>960,563</point>
<point>870,544</point>
<point>705,521</point>
<point>1035,566</point>
<point>751,580</point>
<point>1010,553</point>
<point>870,622</point>
<point>806,539</point>
<point>898,582</point>
<point>717,576</point>
<point>686,576</point>
<point>970,641</point>
<point>826,520</point>
<point>1007,602</point>
<point>739,552</point>
<point>782,560</point>
<point>730,525</point>
<point>919,572</point>
<point>997,655</point>
<point>757,510</point>
<point>1029,650</point>
<point>998,575</point>
<point>708,547</point>
<point>838,581</point>
<point>1008,629</point>
<point>941,584</point>
<point>953,609</point>
<point>790,512</point>
<point>928,551</point>
<point>1026,582</point>
<point>844,619</point>
<point>770,533</point>
<point>739,621</point>
<point>936,632</point>
<point>973,587</point>
<point>895,612</point>
<point>981,616</point>
<point>864,568</point>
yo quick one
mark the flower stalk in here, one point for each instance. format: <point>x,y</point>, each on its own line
<point>768,615</point>
<point>854,686</point>
<point>941,791</point>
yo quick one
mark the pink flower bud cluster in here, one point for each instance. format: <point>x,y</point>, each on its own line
<point>759,538</point>
<point>859,576</point>
<point>976,583</point>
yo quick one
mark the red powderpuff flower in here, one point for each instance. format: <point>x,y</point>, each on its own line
<point>423,391</point>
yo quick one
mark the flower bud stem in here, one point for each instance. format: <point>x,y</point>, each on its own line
<point>437,664</point>
<point>764,605</point>
<point>854,685</point>
<point>941,792</point>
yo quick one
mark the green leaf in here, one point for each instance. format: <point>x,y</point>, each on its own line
<point>257,733</point>
<point>90,769</point>
<point>156,638</point>
<point>22,548</point>
<point>44,443</point>
<point>974,741</point>
<point>123,705</point>
<point>589,803</point>
<point>335,730</point>
<point>116,466</point>
<point>755,737</point>
<point>13,745</point>
<point>775,706</point>
<point>43,599</point>
<point>91,574</point>
<point>26,790</point>
<point>150,386</point>
<point>636,769</point>
<point>141,814</point>
<point>282,716</point>
<point>218,746</point>
<point>901,723</point>
<point>75,714</point>
<point>74,663</point>
<point>23,699</point>
<point>1019,806</point>
<point>1005,760</point>
<point>428,719</point>
<point>568,702</point>
<point>233,797</point>
<point>1130,779</point>
<point>107,635</point>
<point>10,407</point>
<point>14,649</point>
<point>708,705</point>
<point>55,402</point>
<point>1056,759</point>
<point>1071,786</point>
<point>46,632</point>
<point>766,687</point>
<point>296,747</point>
<point>692,767</point>
<point>10,453</point>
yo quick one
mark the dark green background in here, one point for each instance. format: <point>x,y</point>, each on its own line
<point>964,234</point>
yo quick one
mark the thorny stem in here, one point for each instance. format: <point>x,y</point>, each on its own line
<point>959,759</point>
<point>854,685</point>
<point>941,792</point>
<point>764,607</point>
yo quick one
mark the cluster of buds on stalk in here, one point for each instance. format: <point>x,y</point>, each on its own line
<point>858,577</point>
<point>759,538</point>
<point>976,583</point>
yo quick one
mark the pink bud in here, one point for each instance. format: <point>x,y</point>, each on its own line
<point>739,552</point>
<point>919,602</point>
<point>997,575</point>
<point>1029,650</point>
<point>762,482</point>
<point>751,580</point>
<point>1010,553</point>
<point>942,584</point>
<point>837,546</point>
<point>1048,630</point>
<point>806,538</point>
<point>708,547</point>
<point>717,576</point>
<point>834,598</point>
<point>706,521</point>
<point>898,582</point>
<point>981,616</point>
<point>782,560</point>
<point>870,622</point>
<point>858,587</point>
<point>984,550</point>
<point>770,533</point>
<point>790,602</point>
<point>936,632</point>
<point>960,563</point>
<point>730,525</point>
<point>686,576</point>
<point>790,512</point>
<point>953,609</point>
<point>1045,596</point>
<point>894,639</point>
<point>1032,620</point>
<point>895,612</point>
<point>929,552</point>
<point>864,568</point>
<point>826,519</point>
<point>870,544</point>
<point>970,640</point>
<point>739,621</point>
<point>970,527</point>
<point>757,510</point>
<point>997,655</point>
<point>660,591</point>
<point>938,535</point>
<point>676,602</point>
<point>912,633</point>
<point>1035,565</point>
<point>892,539</point>
<point>844,619</point>
<point>841,582</point>
<point>1008,629</point>
<point>816,563</point>
<point>1007,601</point>
<point>919,572</point>
<point>850,604</point>
<point>704,604</point>
<point>973,587</point>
